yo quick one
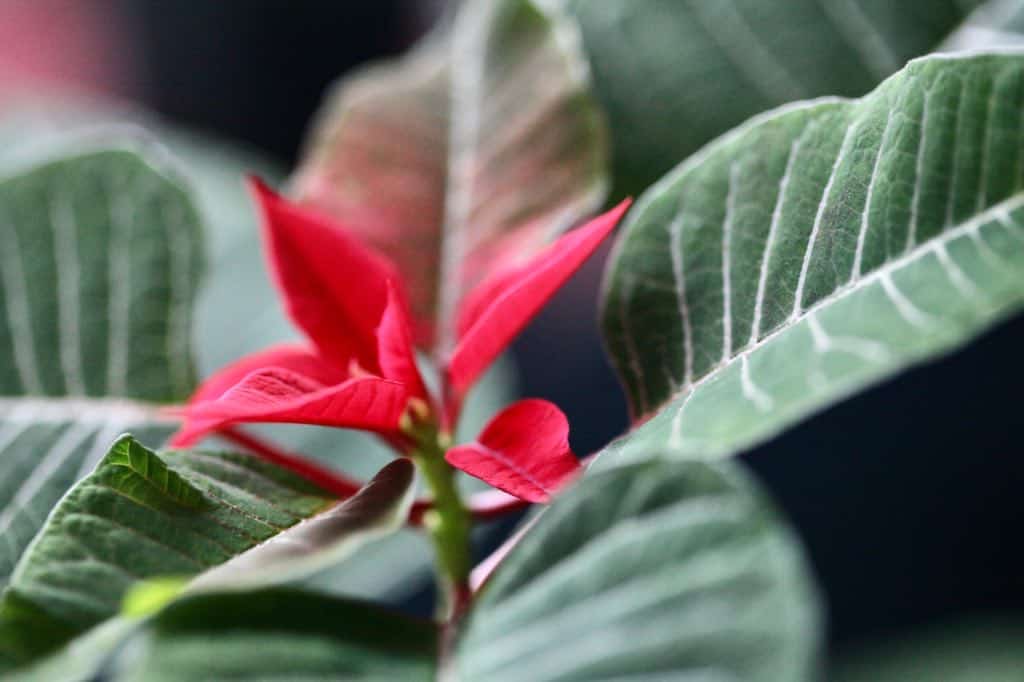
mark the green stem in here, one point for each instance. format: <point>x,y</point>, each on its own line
<point>449,523</point>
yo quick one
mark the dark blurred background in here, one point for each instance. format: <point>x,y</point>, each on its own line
<point>909,497</point>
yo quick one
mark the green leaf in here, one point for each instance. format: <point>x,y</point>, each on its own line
<point>468,155</point>
<point>817,249</point>
<point>975,650</point>
<point>100,262</point>
<point>673,74</point>
<point>279,634</point>
<point>32,128</point>
<point>660,569</point>
<point>140,515</point>
<point>100,257</point>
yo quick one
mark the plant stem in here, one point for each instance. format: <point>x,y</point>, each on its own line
<point>449,523</point>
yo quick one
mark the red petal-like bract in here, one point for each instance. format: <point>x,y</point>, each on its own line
<point>283,396</point>
<point>334,288</point>
<point>285,356</point>
<point>524,451</point>
<point>499,309</point>
<point>394,345</point>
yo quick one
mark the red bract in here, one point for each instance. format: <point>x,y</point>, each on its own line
<point>360,371</point>
<point>523,451</point>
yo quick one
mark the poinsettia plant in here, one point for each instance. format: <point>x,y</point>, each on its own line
<point>157,527</point>
<point>360,371</point>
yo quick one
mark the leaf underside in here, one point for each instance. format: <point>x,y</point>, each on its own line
<point>817,249</point>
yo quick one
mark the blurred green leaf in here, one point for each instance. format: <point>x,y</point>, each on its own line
<point>674,74</point>
<point>280,635</point>
<point>994,24</point>
<point>659,569</point>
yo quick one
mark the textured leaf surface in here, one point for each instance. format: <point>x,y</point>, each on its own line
<point>100,257</point>
<point>660,569</point>
<point>673,74</point>
<point>282,635</point>
<point>140,515</point>
<point>464,157</point>
<point>820,248</point>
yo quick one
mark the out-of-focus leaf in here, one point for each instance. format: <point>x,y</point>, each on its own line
<point>101,259</point>
<point>818,249</point>
<point>279,635</point>
<point>466,156</point>
<point>83,660</point>
<point>661,569</point>
<point>100,262</point>
<point>673,74</point>
<point>995,24</point>
<point>33,128</point>
<point>269,634</point>
<point>974,650</point>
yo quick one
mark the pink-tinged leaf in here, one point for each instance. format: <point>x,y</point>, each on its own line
<point>394,345</point>
<point>286,356</point>
<point>453,194</point>
<point>523,451</point>
<point>287,397</point>
<point>377,163</point>
<point>334,288</point>
<point>494,314</point>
